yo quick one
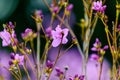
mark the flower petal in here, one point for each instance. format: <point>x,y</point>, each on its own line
<point>56,42</point>
<point>65,32</point>
<point>65,40</point>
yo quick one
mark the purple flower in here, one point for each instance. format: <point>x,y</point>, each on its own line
<point>81,77</point>
<point>48,32</point>
<point>54,8</point>
<point>11,25</point>
<point>118,28</point>
<point>97,6</point>
<point>69,7</point>
<point>28,34</point>
<point>76,77</point>
<point>96,45</point>
<point>59,36</point>
<point>6,37</point>
<point>94,57</point>
<point>16,59</point>
<point>38,14</point>
<point>59,72</point>
<point>20,59</point>
<point>49,64</point>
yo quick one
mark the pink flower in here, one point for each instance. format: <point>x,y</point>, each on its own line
<point>96,45</point>
<point>6,38</point>
<point>97,6</point>
<point>69,7</point>
<point>94,57</point>
<point>28,34</point>
<point>20,59</point>
<point>16,59</point>
<point>59,36</point>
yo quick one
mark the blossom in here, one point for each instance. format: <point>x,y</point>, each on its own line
<point>49,64</point>
<point>16,59</point>
<point>94,57</point>
<point>59,36</point>
<point>96,45</point>
<point>28,34</point>
<point>11,25</point>
<point>54,8</point>
<point>6,37</point>
<point>38,16</point>
<point>59,72</point>
<point>97,6</point>
<point>69,7</point>
<point>76,77</point>
<point>48,32</point>
<point>118,28</point>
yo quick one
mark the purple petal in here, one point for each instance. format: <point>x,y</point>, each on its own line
<point>105,47</point>
<point>94,49</point>
<point>64,40</point>
<point>56,42</point>
<point>58,29</point>
<point>65,32</point>
<point>5,38</point>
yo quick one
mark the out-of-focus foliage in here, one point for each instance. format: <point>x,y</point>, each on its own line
<point>7,7</point>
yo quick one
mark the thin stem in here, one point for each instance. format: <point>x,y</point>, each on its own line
<point>63,18</point>
<point>115,28</point>
<point>26,71</point>
<point>51,21</point>
<point>38,49</point>
<point>100,72</point>
<point>15,75</point>
<point>66,50</point>
<point>55,61</point>
<point>27,58</point>
<point>19,72</point>
<point>113,55</point>
<point>33,51</point>
<point>44,57</point>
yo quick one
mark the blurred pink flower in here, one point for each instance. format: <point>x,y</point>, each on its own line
<point>6,38</point>
<point>4,59</point>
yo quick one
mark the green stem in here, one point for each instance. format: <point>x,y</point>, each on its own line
<point>19,72</point>
<point>38,50</point>
<point>100,72</point>
<point>26,71</point>
<point>14,74</point>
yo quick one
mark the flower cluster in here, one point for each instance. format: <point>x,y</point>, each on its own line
<point>16,59</point>
<point>97,6</point>
<point>8,35</point>
<point>97,48</point>
<point>28,35</point>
